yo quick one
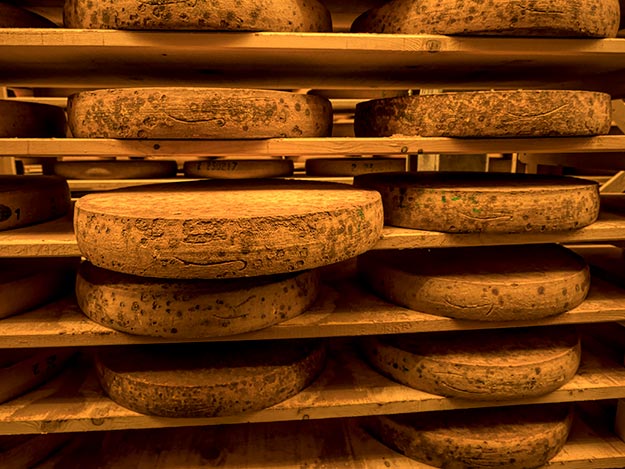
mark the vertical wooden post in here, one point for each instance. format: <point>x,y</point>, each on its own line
<point>7,163</point>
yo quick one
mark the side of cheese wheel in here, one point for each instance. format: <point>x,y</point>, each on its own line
<point>111,169</point>
<point>464,202</point>
<point>27,283</point>
<point>192,309</point>
<point>519,437</point>
<point>187,113</point>
<point>216,229</point>
<point>30,120</point>
<point>331,167</point>
<point>238,168</point>
<point>488,365</point>
<point>12,16</point>
<point>26,200</point>
<point>494,283</point>
<point>556,18</point>
<point>207,380</point>
<point>520,113</point>
<point>216,15</point>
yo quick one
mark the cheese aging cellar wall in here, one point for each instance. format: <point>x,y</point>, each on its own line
<point>68,420</point>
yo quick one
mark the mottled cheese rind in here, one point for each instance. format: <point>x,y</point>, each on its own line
<point>488,114</point>
<point>494,283</point>
<point>203,113</point>
<point>31,120</point>
<point>218,228</point>
<point>464,202</point>
<point>208,380</point>
<point>110,169</point>
<point>337,167</point>
<point>238,168</point>
<point>493,365</point>
<point>551,18</point>
<point>192,309</point>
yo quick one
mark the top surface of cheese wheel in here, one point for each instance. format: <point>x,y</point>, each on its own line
<point>31,120</point>
<point>212,229</point>
<point>219,15</point>
<point>12,16</point>
<point>186,113</point>
<point>352,166</point>
<point>108,169</point>
<point>239,169</point>
<point>515,113</point>
<point>559,18</point>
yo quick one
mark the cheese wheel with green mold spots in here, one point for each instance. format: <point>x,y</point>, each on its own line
<point>31,120</point>
<point>208,380</point>
<point>466,202</point>
<point>549,18</point>
<point>192,308</point>
<point>111,169</point>
<point>213,15</point>
<point>337,167</point>
<point>485,283</point>
<point>12,16</point>
<point>519,437</point>
<point>218,228</point>
<point>487,114</point>
<point>27,200</point>
<point>238,168</point>
<point>493,365</point>
<point>202,113</point>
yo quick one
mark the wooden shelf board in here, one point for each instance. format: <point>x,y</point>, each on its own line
<point>294,147</point>
<point>347,310</point>
<point>96,58</point>
<point>74,401</point>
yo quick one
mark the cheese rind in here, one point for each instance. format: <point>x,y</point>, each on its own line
<point>238,169</point>
<point>110,169</point>
<point>192,309</point>
<point>488,114</point>
<point>187,113</point>
<point>336,167</point>
<point>31,120</point>
<point>207,380</point>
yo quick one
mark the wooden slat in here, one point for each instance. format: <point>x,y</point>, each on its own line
<point>75,402</point>
<point>352,312</point>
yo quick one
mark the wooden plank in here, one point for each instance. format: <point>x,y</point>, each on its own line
<point>294,147</point>
<point>616,184</point>
<point>347,311</point>
<point>336,393</point>
<point>588,161</point>
<point>51,239</point>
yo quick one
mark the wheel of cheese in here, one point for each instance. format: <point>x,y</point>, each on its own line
<point>517,113</point>
<point>28,283</point>
<point>494,283</point>
<point>207,380</point>
<point>111,169</point>
<point>336,167</point>
<point>465,202</point>
<point>519,437</point>
<point>557,18</point>
<point>493,365</point>
<point>214,229</point>
<point>238,169</point>
<point>192,309</point>
<point>26,200</point>
<point>30,120</point>
<point>187,113</point>
<point>12,16</point>
<point>219,15</point>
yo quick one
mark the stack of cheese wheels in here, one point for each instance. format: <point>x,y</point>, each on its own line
<point>517,113</point>
<point>187,113</point>
<point>30,120</point>
<point>12,16</point>
<point>457,202</point>
<point>238,168</point>
<point>494,283</point>
<point>337,167</point>
<point>27,200</point>
<point>559,18</point>
<point>219,15</point>
<point>519,437</point>
<point>114,169</point>
<point>492,365</point>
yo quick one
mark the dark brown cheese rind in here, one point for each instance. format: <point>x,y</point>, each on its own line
<point>192,309</point>
<point>337,167</point>
<point>555,18</point>
<point>12,16</point>
<point>484,202</point>
<point>31,120</point>
<point>489,365</point>
<point>520,437</point>
<point>498,283</point>
<point>107,169</point>
<point>487,114</point>
<point>208,380</point>
<point>238,169</point>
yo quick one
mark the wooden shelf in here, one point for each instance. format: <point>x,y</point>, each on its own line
<point>97,58</point>
<point>74,401</point>
<point>347,311</point>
